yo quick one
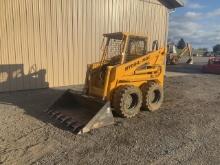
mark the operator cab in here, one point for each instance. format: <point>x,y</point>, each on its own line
<point>120,48</point>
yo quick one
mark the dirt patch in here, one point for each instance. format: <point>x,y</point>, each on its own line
<point>185,131</point>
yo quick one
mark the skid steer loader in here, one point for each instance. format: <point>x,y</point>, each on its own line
<point>173,58</point>
<point>127,79</point>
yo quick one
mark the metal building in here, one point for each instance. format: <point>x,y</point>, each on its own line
<point>50,42</point>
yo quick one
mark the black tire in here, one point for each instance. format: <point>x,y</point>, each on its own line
<point>153,96</point>
<point>127,101</point>
<point>174,61</point>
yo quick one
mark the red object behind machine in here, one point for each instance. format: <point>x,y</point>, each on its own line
<point>213,66</point>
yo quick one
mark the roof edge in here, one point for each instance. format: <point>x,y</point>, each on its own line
<point>172,4</point>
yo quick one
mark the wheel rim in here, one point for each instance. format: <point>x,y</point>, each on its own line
<point>155,97</point>
<point>132,101</point>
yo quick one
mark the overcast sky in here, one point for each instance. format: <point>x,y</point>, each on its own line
<point>198,23</point>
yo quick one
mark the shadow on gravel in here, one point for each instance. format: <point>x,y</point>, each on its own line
<point>34,102</point>
<point>185,68</point>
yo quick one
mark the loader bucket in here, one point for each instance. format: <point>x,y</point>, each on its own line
<point>81,113</point>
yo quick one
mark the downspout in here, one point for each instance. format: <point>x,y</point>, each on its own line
<point>168,20</point>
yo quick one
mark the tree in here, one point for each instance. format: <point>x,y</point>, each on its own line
<point>216,48</point>
<point>181,44</point>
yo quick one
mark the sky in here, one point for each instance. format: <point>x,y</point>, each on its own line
<point>198,23</point>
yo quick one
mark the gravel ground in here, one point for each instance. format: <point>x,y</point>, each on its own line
<point>185,131</point>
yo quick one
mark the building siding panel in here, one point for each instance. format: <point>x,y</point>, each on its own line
<point>50,42</point>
